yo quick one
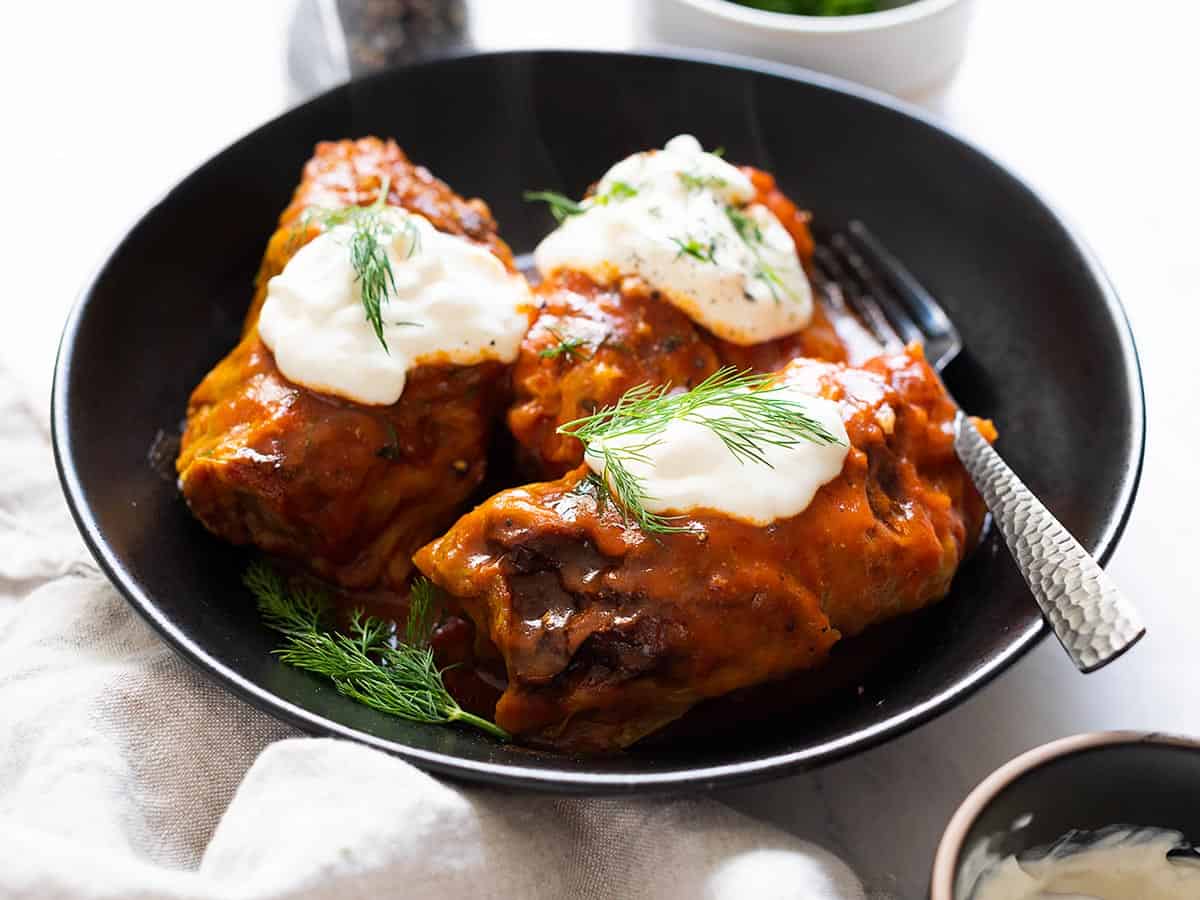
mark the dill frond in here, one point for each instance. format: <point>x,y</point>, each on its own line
<point>372,269</point>
<point>568,347</point>
<point>745,226</point>
<point>561,206</point>
<point>749,231</point>
<point>368,251</point>
<point>745,411</point>
<point>422,607</point>
<point>631,496</point>
<point>620,190</point>
<point>695,249</point>
<point>368,664</point>
<point>701,182</point>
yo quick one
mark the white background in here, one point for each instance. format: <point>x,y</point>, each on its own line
<point>106,104</point>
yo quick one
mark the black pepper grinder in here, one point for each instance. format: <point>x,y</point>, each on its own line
<point>382,33</point>
<point>330,41</point>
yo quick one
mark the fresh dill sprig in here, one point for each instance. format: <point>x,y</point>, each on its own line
<point>368,251</point>
<point>372,270</point>
<point>568,347</point>
<point>629,492</point>
<point>368,664</point>
<point>771,279</point>
<point>718,152</point>
<point>422,606</point>
<point>745,411</point>
<point>561,206</point>
<point>753,415</point>
<point>695,249</point>
<point>700,182</point>
<point>617,191</point>
<point>750,232</point>
<point>745,226</point>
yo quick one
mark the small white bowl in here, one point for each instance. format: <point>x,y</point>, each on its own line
<point>905,50</point>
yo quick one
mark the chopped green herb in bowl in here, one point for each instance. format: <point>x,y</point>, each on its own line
<point>814,7</point>
<point>905,47</point>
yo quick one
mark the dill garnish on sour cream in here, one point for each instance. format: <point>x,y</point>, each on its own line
<point>686,222</point>
<point>737,443</point>
<point>381,292</point>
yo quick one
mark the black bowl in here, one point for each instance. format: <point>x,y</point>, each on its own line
<point>1049,356</point>
<point>1087,782</point>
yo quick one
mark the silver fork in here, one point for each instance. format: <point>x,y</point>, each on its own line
<point>1091,618</point>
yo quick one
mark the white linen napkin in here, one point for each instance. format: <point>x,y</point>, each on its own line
<point>125,774</point>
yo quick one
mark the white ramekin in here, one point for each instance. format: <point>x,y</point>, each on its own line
<point>906,50</point>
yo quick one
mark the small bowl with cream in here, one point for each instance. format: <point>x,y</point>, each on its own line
<point>1110,816</point>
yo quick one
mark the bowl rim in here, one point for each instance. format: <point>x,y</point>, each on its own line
<point>949,850</point>
<point>795,23</point>
<point>565,779</point>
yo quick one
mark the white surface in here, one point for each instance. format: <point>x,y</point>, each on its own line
<point>1093,100</point>
<point>121,773</point>
<point>875,50</point>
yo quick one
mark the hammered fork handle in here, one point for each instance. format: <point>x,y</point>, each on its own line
<point>1088,613</point>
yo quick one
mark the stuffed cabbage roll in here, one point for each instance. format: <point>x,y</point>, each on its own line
<point>353,418</point>
<point>609,629</point>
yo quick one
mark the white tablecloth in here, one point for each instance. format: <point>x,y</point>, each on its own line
<point>125,774</point>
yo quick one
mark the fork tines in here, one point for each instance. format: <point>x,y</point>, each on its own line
<point>860,273</point>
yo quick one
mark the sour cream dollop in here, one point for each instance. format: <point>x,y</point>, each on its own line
<point>683,220</point>
<point>454,303</point>
<point>687,467</point>
<point>1123,864</point>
